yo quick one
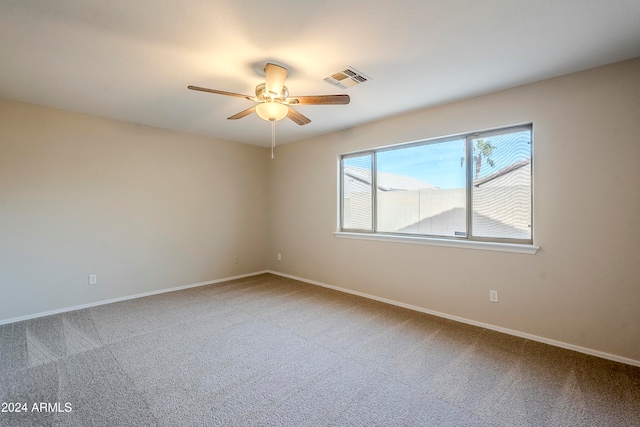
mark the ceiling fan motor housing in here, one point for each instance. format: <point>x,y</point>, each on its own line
<point>262,95</point>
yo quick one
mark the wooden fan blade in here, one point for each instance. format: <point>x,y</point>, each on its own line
<point>221,92</point>
<point>274,76</point>
<point>320,100</point>
<point>297,117</point>
<point>242,114</point>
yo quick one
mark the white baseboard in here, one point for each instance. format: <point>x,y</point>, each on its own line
<point>525,335</point>
<point>109,301</point>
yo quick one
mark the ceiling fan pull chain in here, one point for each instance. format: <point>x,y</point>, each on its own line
<point>273,136</point>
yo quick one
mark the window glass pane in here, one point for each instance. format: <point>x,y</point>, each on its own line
<point>501,192</point>
<point>421,189</point>
<point>357,192</point>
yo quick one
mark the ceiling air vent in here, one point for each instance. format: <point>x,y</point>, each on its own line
<point>346,78</point>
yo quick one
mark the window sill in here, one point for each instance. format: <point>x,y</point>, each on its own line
<point>452,243</point>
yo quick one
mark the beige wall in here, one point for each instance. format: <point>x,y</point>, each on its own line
<point>143,208</point>
<point>583,286</point>
<point>147,209</point>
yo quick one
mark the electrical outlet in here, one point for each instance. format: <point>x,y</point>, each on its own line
<point>93,279</point>
<point>279,257</point>
<point>236,259</point>
<point>493,296</point>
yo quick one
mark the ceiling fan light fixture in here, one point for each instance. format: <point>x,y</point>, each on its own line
<point>272,111</point>
<point>273,102</point>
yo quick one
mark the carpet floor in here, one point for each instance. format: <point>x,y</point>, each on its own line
<point>271,351</point>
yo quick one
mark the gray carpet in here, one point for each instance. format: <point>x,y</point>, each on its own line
<point>270,351</point>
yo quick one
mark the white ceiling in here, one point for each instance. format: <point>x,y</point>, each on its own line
<point>132,60</point>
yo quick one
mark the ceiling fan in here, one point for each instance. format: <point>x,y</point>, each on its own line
<point>274,102</point>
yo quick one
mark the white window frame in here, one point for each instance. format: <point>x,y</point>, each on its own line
<point>469,241</point>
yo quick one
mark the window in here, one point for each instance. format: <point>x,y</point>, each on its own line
<point>469,187</point>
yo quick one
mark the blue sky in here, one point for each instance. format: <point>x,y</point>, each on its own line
<point>439,164</point>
